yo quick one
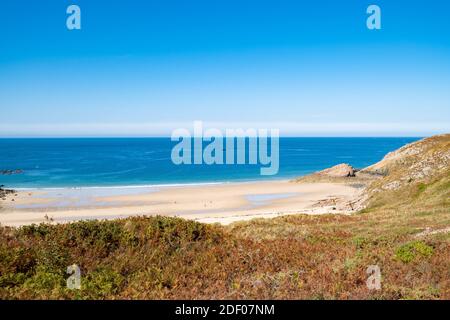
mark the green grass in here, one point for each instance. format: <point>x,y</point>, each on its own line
<point>413,250</point>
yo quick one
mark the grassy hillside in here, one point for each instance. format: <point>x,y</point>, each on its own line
<point>405,230</point>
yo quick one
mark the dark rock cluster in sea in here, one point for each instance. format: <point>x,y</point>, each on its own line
<point>9,172</point>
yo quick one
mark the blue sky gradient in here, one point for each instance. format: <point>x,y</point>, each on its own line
<point>139,68</point>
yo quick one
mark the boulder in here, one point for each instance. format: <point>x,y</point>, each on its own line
<point>340,170</point>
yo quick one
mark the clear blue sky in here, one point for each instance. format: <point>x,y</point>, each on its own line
<point>144,67</point>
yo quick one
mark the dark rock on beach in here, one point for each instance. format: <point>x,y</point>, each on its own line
<point>4,192</point>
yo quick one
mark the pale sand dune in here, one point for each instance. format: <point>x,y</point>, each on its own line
<point>223,203</point>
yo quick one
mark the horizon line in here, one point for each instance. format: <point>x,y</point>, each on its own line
<point>169,137</point>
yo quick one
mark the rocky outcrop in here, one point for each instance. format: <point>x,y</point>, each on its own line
<point>340,170</point>
<point>402,173</point>
<point>4,192</point>
<point>9,172</point>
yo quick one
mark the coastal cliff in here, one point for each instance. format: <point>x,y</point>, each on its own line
<point>418,173</point>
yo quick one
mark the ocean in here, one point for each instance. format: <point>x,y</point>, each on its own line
<point>115,162</point>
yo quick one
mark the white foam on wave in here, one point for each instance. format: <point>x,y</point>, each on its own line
<point>146,186</point>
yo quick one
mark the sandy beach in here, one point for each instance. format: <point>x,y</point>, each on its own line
<point>209,203</point>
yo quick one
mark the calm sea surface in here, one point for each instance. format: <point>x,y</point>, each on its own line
<point>105,162</point>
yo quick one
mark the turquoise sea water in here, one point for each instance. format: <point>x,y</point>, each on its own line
<point>109,162</point>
